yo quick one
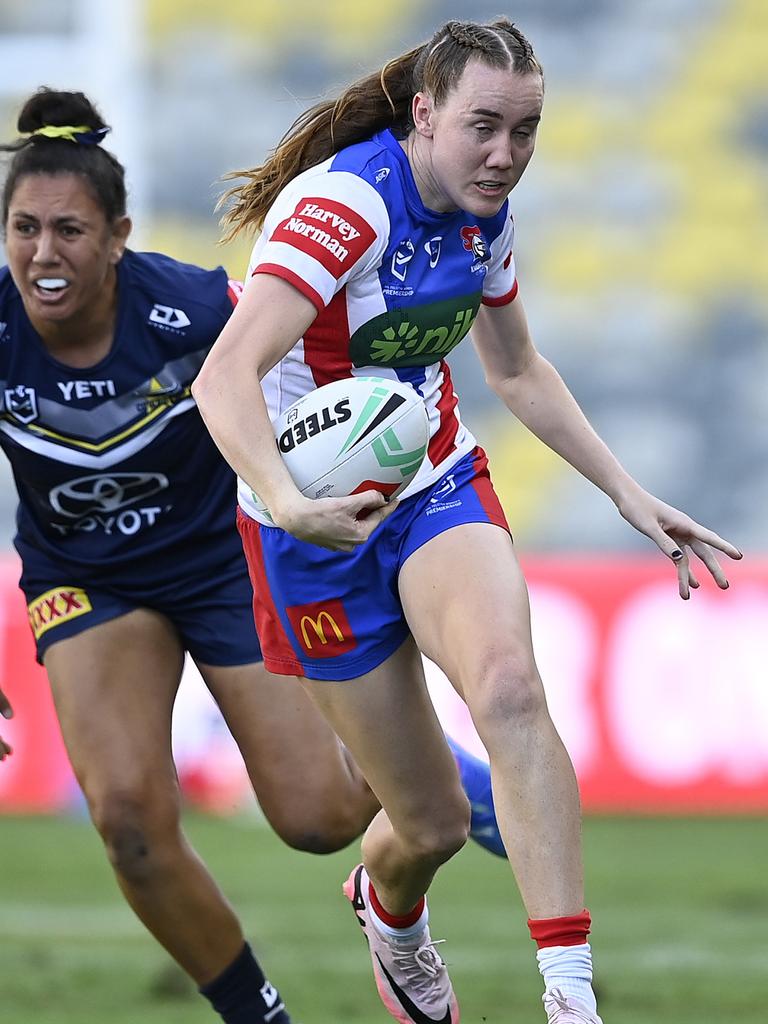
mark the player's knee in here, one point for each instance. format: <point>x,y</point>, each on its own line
<point>137,842</point>
<point>438,835</point>
<point>509,696</point>
<point>325,830</point>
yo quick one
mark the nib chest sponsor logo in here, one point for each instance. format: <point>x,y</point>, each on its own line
<point>55,607</point>
<point>330,232</point>
<point>415,336</point>
<point>321,628</point>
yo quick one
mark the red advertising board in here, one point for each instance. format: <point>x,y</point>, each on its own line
<point>663,704</point>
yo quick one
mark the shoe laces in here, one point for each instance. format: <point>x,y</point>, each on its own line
<point>420,965</point>
<point>556,996</point>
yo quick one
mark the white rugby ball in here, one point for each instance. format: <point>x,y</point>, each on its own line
<point>352,435</point>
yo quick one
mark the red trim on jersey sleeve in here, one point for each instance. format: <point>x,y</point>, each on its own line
<point>298,282</point>
<point>334,235</point>
<point>276,647</point>
<point>485,492</point>
<point>234,291</point>
<point>502,300</point>
<point>326,342</point>
<point>443,442</point>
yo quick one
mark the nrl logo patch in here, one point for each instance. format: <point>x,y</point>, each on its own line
<point>21,403</point>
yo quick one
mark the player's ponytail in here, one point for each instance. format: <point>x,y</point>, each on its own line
<point>60,133</point>
<point>380,100</point>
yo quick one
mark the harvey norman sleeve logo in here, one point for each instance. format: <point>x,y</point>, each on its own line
<point>330,232</point>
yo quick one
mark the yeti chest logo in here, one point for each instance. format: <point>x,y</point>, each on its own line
<point>21,403</point>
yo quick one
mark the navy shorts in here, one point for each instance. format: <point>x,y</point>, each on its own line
<point>211,611</point>
<point>337,615</point>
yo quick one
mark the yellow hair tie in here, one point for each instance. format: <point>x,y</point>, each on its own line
<point>68,132</point>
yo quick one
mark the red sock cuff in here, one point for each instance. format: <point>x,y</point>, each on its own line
<point>395,920</point>
<point>560,931</point>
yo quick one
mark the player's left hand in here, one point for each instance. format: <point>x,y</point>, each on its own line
<point>7,712</point>
<point>676,534</point>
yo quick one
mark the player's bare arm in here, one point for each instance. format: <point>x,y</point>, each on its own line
<point>535,392</point>
<point>270,317</point>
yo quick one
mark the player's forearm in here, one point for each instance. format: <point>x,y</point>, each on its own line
<point>232,405</point>
<point>541,401</point>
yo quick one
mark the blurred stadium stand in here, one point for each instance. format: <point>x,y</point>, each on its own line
<point>642,223</point>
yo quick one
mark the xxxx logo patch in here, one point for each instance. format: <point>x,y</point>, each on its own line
<point>55,607</point>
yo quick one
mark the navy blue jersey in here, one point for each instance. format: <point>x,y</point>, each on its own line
<point>114,467</point>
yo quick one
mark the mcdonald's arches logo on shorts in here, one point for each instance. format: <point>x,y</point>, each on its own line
<point>322,628</point>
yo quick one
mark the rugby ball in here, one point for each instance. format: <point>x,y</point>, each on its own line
<point>352,435</point>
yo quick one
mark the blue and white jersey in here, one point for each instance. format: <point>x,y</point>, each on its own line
<point>396,286</point>
<point>113,464</point>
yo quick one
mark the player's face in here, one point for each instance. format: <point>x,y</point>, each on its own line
<point>479,140</point>
<point>61,249</point>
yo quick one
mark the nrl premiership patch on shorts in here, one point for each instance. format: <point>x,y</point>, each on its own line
<point>55,607</point>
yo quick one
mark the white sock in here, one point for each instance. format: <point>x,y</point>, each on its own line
<point>569,968</point>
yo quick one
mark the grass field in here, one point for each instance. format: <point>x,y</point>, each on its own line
<point>680,908</point>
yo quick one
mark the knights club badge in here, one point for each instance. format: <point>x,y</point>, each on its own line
<point>21,403</point>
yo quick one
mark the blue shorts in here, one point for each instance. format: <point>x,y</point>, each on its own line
<point>211,611</point>
<point>337,615</point>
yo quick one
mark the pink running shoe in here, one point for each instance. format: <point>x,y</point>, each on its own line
<point>411,977</point>
<point>562,1010</point>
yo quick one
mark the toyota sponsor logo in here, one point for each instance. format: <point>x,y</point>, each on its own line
<point>104,492</point>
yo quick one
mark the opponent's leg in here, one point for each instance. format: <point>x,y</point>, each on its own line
<point>114,686</point>
<point>311,791</point>
<point>475,775</point>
